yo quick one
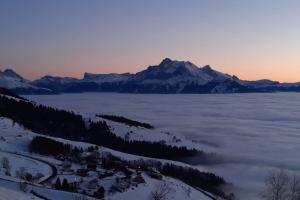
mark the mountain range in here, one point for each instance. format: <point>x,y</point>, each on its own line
<point>170,76</point>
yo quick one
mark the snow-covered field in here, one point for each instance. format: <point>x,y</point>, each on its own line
<point>178,191</point>
<point>10,191</point>
<point>17,162</point>
<point>254,133</point>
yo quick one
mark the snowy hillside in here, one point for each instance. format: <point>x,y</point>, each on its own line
<point>16,139</point>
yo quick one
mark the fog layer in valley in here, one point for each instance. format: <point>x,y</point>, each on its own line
<point>253,133</point>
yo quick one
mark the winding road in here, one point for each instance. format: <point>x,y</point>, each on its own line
<point>45,180</point>
<point>53,168</point>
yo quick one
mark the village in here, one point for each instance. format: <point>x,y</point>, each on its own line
<point>95,173</point>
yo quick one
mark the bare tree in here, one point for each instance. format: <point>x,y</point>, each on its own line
<point>294,188</point>
<point>277,186</point>
<point>187,190</point>
<point>79,197</point>
<point>23,186</point>
<point>21,173</point>
<point>281,186</point>
<point>6,165</point>
<point>161,192</point>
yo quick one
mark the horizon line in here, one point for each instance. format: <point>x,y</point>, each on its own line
<point>133,73</point>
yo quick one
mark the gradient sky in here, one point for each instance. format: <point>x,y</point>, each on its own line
<point>252,39</point>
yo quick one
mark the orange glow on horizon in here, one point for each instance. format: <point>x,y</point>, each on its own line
<point>251,71</point>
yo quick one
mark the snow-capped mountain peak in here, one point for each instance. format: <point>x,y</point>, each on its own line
<point>169,76</point>
<point>170,66</point>
<point>174,72</point>
<point>9,79</point>
<point>11,73</point>
<point>207,68</point>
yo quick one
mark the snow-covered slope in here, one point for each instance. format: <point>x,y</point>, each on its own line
<point>16,139</point>
<point>12,193</point>
<point>9,79</point>
<point>177,191</point>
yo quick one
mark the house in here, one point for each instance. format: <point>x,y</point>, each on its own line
<point>154,175</point>
<point>121,185</point>
<point>93,184</point>
<point>138,179</point>
<point>66,165</point>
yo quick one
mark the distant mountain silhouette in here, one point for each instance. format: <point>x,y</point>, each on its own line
<point>170,76</point>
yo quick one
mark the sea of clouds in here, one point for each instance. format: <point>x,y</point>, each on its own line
<point>251,133</point>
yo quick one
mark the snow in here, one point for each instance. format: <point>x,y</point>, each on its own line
<point>178,190</point>
<point>13,137</point>
<point>14,143</point>
<point>12,82</point>
<point>9,97</point>
<point>253,133</point>
<point>10,191</point>
<point>16,139</point>
<point>153,135</point>
<point>50,79</point>
<point>59,195</point>
<point>30,165</point>
<point>192,74</point>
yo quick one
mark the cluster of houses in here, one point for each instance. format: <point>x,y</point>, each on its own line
<point>94,168</point>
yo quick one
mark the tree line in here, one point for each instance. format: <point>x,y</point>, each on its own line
<point>47,146</point>
<point>68,125</point>
<point>9,93</point>
<point>206,181</point>
<point>126,121</point>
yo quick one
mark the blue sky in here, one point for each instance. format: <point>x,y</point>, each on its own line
<point>252,39</point>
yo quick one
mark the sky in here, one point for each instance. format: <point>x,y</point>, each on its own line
<point>251,39</point>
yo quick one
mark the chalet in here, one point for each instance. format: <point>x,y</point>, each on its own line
<point>121,185</point>
<point>138,179</point>
<point>154,175</point>
<point>66,165</point>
